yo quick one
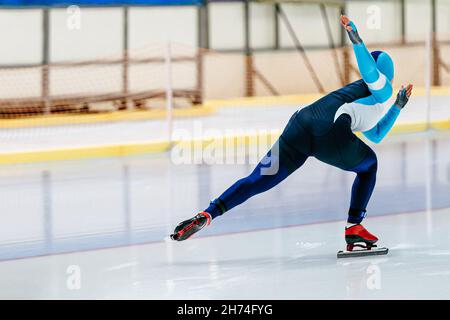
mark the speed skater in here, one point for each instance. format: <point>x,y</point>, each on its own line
<point>325,130</point>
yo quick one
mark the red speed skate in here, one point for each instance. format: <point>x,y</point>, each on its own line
<point>187,228</point>
<point>360,242</point>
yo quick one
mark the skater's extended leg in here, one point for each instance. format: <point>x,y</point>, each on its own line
<point>276,166</point>
<point>260,180</point>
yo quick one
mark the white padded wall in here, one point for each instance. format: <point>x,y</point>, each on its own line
<point>262,25</point>
<point>160,24</point>
<point>226,25</point>
<point>21,34</point>
<point>99,35</point>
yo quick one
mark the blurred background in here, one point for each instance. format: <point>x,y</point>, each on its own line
<point>93,56</point>
<point>110,109</point>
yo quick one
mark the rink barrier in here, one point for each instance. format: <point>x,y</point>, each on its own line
<point>118,150</point>
<point>209,107</point>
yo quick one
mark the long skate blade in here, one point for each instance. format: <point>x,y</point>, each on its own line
<point>362,253</point>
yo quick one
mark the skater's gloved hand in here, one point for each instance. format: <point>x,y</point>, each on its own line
<point>403,96</point>
<point>351,30</point>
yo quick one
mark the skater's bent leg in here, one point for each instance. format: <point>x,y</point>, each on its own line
<point>363,186</point>
<point>272,169</point>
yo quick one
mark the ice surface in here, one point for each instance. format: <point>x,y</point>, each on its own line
<point>105,220</point>
<point>265,264</point>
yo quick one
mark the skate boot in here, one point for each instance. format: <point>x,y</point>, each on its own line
<point>358,237</point>
<point>187,228</point>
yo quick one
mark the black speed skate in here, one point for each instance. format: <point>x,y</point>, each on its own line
<point>358,237</point>
<point>187,228</point>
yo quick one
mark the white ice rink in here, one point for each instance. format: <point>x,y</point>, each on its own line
<point>285,263</point>
<point>95,228</point>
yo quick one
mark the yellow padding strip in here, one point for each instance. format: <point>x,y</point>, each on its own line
<point>67,119</point>
<point>161,146</point>
<point>83,152</point>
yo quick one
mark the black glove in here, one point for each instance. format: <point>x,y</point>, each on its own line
<point>402,98</point>
<point>353,35</point>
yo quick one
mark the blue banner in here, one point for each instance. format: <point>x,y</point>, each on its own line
<point>60,3</point>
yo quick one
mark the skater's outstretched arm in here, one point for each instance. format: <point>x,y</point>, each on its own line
<point>378,84</point>
<point>381,129</point>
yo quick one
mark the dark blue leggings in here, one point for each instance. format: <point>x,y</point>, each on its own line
<point>313,131</point>
<point>264,178</point>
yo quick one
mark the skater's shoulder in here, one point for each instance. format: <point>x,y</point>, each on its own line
<point>356,89</point>
<point>359,85</point>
